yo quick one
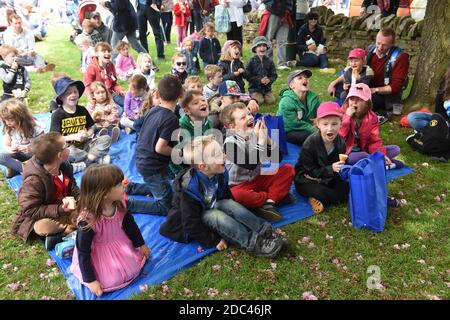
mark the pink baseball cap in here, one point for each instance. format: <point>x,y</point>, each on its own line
<point>357,53</point>
<point>329,108</point>
<point>360,90</point>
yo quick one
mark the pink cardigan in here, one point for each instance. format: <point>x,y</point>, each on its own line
<point>368,132</point>
<point>124,64</point>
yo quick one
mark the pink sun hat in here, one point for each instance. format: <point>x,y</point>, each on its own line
<point>357,53</point>
<point>329,108</point>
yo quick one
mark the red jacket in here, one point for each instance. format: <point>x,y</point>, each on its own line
<point>107,75</point>
<point>368,132</point>
<point>180,17</point>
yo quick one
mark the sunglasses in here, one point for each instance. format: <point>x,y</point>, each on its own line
<point>181,63</point>
<point>313,18</point>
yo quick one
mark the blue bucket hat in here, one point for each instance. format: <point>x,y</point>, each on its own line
<point>62,84</point>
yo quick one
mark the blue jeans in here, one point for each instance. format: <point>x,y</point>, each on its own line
<point>119,101</point>
<point>14,161</point>
<point>312,60</point>
<point>236,224</point>
<point>419,120</point>
<point>160,186</point>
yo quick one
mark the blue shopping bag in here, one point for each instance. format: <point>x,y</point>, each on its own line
<point>222,19</point>
<point>275,125</point>
<point>368,192</point>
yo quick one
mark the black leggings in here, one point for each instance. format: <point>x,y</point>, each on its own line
<point>336,192</point>
<point>297,137</point>
<point>235,33</point>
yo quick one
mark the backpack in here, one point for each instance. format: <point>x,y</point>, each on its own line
<point>434,139</point>
<point>248,7</point>
<point>393,55</point>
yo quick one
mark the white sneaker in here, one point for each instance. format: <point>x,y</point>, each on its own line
<point>78,166</point>
<point>283,68</point>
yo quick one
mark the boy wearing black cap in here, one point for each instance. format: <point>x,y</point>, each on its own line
<point>298,106</point>
<point>76,125</point>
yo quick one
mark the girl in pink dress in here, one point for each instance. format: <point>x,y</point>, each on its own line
<point>110,250</point>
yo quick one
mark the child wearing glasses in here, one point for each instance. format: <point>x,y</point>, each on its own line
<point>179,67</point>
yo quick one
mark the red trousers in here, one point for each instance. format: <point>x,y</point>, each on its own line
<point>254,193</point>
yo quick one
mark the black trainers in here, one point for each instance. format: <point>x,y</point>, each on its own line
<point>392,202</point>
<point>268,212</point>
<point>267,248</point>
<point>52,241</point>
<point>288,199</point>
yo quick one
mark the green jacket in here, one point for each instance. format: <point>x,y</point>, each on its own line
<point>185,123</point>
<point>296,115</point>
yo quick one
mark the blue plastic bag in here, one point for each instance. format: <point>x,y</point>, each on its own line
<point>222,19</point>
<point>368,192</point>
<point>275,125</point>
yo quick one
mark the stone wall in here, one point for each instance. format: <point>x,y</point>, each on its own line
<point>345,33</point>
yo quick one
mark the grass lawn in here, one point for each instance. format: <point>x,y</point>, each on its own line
<point>333,264</point>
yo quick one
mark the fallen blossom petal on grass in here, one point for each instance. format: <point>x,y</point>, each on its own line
<point>421,261</point>
<point>6,265</point>
<point>328,237</point>
<point>273,265</point>
<point>433,297</point>
<point>306,239</point>
<point>216,267</point>
<point>279,232</point>
<point>212,292</point>
<point>15,269</point>
<point>396,247</point>
<point>46,298</point>
<point>380,287</point>
<point>425,164</point>
<point>406,246</point>
<point>143,288</point>
<point>188,292</point>
<point>226,293</point>
<point>437,198</point>
<point>417,210</point>
<point>15,286</point>
<point>50,262</point>
<point>322,223</point>
<point>308,295</point>
<point>403,201</point>
<point>311,245</point>
<point>359,257</point>
<point>166,289</point>
<point>401,194</point>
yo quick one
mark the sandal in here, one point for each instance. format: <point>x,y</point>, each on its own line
<point>316,205</point>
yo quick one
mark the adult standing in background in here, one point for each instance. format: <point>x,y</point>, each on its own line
<point>301,10</point>
<point>200,9</point>
<point>387,7</point>
<point>150,10</point>
<point>167,18</point>
<point>237,18</point>
<point>124,23</point>
<point>278,25</point>
<point>96,19</point>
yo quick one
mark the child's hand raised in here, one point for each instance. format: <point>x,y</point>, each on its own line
<point>95,287</point>
<point>145,251</point>
<point>261,132</point>
<point>337,166</point>
<point>350,111</point>
<point>222,245</point>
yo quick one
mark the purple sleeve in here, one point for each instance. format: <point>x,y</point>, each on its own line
<point>127,105</point>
